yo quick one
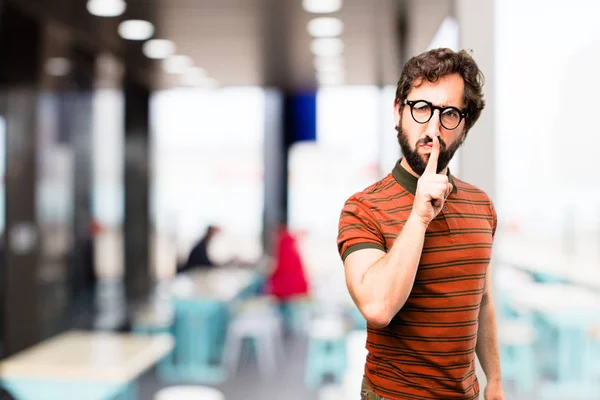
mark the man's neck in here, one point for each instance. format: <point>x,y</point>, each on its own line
<point>407,167</point>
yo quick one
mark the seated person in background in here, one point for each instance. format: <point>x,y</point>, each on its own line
<point>199,257</point>
<point>287,279</point>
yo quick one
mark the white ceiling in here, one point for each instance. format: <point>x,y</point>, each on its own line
<point>265,42</point>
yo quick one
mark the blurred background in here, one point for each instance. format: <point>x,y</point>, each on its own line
<point>173,173</point>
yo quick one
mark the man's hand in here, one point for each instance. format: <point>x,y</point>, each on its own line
<point>493,391</point>
<point>432,188</point>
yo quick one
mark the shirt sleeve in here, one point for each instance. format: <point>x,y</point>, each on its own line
<point>358,229</point>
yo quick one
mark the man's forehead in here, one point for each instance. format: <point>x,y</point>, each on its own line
<point>446,91</point>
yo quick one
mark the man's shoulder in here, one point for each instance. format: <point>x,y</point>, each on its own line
<point>381,189</point>
<point>476,197</point>
<point>472,190</point>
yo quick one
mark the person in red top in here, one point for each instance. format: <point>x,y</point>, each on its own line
<point>287,279</point>
<point>417,246</point>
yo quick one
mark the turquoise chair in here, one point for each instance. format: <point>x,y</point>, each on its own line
<point>255,288</point>
<point>517,338</point>
<point>543,277</point>
<point>545,347</point>
<point>325,357</point>
<point>296,314</point>
<point>198,330</point>
<point>518,366</point>
<point>574,343</point>
<point>130,392</point>
<point>573,355</point>
<point>165,367</point>
<point>505,309</point>
<point>595,355</point>
<point>326,354</point>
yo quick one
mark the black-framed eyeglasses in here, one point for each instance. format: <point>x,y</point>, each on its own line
<point>422,111</point>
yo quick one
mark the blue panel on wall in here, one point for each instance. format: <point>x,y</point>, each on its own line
<point>301,116</point>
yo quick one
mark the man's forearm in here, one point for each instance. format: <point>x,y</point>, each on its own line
<point>487,342</point>
<point>389,281</point>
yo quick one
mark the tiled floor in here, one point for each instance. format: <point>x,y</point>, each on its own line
<point>247,384</point>
<point>286,384</point>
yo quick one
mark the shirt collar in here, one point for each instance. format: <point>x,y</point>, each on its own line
<point>409,182</point>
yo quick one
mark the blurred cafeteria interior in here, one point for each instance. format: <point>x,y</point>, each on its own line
<point>173,173</point>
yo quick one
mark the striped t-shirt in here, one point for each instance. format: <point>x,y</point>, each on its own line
<point>427,351</point>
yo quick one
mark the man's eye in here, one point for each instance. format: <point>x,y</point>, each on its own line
<point>451,114</point>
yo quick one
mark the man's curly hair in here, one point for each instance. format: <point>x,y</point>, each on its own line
<point>434,64</point>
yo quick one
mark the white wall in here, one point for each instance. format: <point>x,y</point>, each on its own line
<point>207,158</point>
<point>477,163</point>
<point>424,20</point>
<point>356,146</point>
<point>108,140</point>
<point>547,55</point>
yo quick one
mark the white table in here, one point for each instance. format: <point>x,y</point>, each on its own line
<point>82,365</point>
<point>219,284</point>
<point>549,257</point>
<point>554,298</point>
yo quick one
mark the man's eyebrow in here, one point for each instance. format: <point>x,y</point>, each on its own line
<point>444,105</point>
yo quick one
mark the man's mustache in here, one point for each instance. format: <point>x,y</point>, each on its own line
<point>427,139</point>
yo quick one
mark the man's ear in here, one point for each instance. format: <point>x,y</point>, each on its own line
<point>397,111</point>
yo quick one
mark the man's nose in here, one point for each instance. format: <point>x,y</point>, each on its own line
<point>433,125</point>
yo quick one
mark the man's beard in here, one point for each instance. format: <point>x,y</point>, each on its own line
<point>416,161</point>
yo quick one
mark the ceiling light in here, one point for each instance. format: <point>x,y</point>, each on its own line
<point>209,83</point>
<point>329,63</point>
<point>204,82</point>
<point>158,48</point>
<point>322,6</point>
<point>327,47</point>
<point>177,64</point>
<point>331,80</point>
<point>136,29</point>
<point>106,8</point>
<point>325,27</point>
<point>58,66</point>
<point>330,76</point>
<point>193,76</point>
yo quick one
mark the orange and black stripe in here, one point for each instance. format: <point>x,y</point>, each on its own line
<point>428,349</point>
